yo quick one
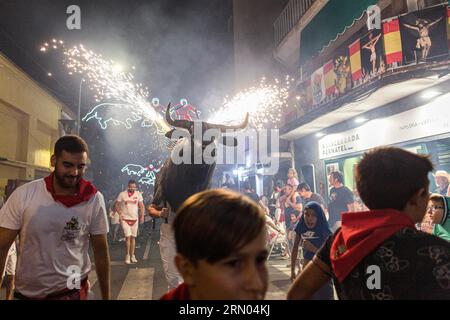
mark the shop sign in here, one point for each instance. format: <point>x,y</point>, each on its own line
<point>425,121</point>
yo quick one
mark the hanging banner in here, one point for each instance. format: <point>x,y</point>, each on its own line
<point>372,58</point>
<point>342,71</point>
<point>424,35</point>
<point>355,61</point>
<point>392,42</point>
<point>318,86</point>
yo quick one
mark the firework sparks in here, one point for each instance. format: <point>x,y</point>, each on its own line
<point>108,82</point>
<point>265,104</point>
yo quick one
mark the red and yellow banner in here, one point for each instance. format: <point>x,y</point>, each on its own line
<point>330,78</point>
<point>393,41</point>
<point>355,60</point>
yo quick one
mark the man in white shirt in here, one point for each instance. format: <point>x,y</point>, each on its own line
<point>130,206</point>
<point>58,218</point>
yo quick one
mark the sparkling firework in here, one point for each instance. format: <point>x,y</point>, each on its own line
<point>111,86</point>
<point>265,104</point>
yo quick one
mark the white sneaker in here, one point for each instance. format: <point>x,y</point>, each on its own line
<point>127,259</point>
<point>133,259</point>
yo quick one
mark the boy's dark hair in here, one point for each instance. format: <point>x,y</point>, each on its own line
<point>132,182</point>
<point>304,186</point>
<point>213,224</point>
<point>337,175</point>
<point>71,144</point>
<point>387,178</point>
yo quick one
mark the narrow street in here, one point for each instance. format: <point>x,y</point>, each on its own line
<point>145,280</point>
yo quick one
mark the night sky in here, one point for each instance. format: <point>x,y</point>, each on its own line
<point>181,49</point>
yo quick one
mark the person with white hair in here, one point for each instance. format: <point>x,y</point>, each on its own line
<point>442,179</point>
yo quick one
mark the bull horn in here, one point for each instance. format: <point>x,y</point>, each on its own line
<point>177,123</point>
<point>223,127</point>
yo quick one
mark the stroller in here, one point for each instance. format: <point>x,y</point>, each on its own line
<point>276,238</point>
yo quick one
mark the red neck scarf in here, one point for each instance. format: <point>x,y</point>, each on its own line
<point>130,193</point>
<point>85,192</point>
<point>360,234</point>
<point>179,293</point>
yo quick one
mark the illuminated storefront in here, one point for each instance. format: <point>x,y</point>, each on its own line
<point>423,130</point>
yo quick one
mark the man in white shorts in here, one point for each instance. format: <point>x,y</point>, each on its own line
<point>58,219</point>
<point>130,206</point>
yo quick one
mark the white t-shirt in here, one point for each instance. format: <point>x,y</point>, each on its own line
<point>130,205</point>
<point>54,239</point>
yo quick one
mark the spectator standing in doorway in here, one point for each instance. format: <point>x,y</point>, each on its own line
<point>341,199</point>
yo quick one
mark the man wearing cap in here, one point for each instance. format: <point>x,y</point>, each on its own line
<point>442,179</point>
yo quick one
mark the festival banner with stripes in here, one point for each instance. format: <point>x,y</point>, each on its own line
<point>392,41</point>
<point>355,60</point>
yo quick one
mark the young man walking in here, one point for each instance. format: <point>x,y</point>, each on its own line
<point>130,206</point>
<point>58,218</point>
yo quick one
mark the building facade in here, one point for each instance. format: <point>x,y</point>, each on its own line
<point>360,88</point>
<point>29,125</point>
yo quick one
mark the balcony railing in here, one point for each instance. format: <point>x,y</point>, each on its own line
<point>290,16</point>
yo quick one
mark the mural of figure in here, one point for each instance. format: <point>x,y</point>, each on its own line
<point>423,27</point>
<point>342,71</point>
<point>372,46</point>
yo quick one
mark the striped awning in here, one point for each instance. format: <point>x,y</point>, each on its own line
<point>334,18</point>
